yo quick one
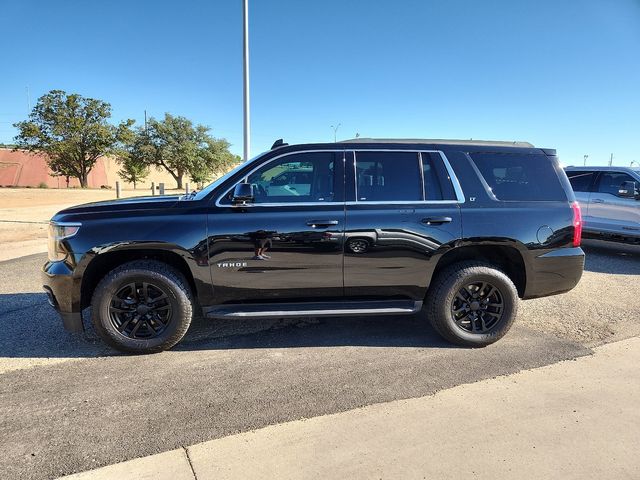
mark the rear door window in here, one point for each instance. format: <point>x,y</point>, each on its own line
<point>388,176</point>
<point>580,180</point>
<point>437,182</point>
<point>520,177</point>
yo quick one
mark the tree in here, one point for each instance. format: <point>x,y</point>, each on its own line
<point>132,158</point>
<point>215,161</point>
<point>73,131</point>
<point>133,171</point>
<point>182,148</point>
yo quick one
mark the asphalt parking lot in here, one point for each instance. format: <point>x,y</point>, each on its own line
<point>68,403</point>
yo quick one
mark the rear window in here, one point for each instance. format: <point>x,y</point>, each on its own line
<point>520,177</point>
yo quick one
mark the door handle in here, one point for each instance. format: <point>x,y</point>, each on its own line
<point>598,200</point>
<point>436,220</point>
<point>321,223</point>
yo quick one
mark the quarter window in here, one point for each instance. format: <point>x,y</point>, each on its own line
<point>520,177</point>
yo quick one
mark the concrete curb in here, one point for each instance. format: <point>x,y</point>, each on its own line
<point>574,419</point>
<point>172,465</point>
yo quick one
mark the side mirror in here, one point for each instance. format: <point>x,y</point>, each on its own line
<point>628,190</point>
<point>243,193</point>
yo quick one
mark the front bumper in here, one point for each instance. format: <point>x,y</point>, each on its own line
<point>554,272</point>
<point>63,292</point>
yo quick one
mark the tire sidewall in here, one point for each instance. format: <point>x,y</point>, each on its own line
<point>180,308</point>
<point>509,298</point>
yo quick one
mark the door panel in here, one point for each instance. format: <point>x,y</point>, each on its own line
<point>287,245</point>
<point>304,261</point>
<point>403,211</point>
<point>609,212</point>
<point>389,249</point>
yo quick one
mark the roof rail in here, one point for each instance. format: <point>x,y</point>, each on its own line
<point>495,143</point>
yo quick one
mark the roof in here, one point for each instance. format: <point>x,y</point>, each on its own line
<point>490,143</point>
<point>603,168</point>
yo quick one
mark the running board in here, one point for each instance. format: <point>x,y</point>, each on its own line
<point>313,309</point>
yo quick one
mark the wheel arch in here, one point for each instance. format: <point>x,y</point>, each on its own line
<point>507,258</point>
<point>102,263</point>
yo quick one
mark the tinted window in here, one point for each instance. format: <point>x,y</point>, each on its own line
<point>433,170</point>
<point>519,176</point>
<point>388,176</point>
<point>611,182</point>
<point>580,181</point>
<point>300,177</point>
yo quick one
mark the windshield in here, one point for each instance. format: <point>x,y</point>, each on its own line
<point>211,187</point>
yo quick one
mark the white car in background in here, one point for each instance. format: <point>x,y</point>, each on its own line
<point>610,201</point>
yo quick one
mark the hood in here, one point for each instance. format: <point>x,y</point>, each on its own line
<point>121,205</point>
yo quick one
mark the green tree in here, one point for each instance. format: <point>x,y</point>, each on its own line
<point>182,148</point>
<point>73,131</point>
<point>133,171</point>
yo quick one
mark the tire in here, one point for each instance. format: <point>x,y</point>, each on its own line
<point>145,294</point>
<point>472,321</point>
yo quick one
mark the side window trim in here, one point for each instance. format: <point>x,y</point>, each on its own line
<point>245,177</point>
<point>421,167</point>
<point>460,198</point>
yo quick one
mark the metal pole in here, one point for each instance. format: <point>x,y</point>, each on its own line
<point>585,160</point>
<point>153,188</point>
<point>611,160</point>
<point>117,189</point>
<point>245,60</point>
<point>186,188</point>
<point>335,132</point>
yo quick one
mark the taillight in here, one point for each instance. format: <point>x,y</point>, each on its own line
<point>577,224</point>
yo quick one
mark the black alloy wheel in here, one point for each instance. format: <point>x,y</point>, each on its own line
<point>142,306</point>
<point>140,310</point>
<point>471,303</point>
<point>477,307</point>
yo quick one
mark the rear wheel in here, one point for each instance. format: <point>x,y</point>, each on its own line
<point>144,306</point>
<point>472,304</point>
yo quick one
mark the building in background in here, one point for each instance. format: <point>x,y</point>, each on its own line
<point>22,169</point>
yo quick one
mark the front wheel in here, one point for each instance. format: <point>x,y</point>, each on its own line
<point>144,306</point>
<point>472,304</point>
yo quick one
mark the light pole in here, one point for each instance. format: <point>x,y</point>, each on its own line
<point>245,63</point>
<point>335,131</point>
<point>585,160</point>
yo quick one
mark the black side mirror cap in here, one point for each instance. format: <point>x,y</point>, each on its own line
<point>243,193</point>
<point>628,190</point>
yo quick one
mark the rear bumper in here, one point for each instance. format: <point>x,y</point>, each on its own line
<point>63,292</point>
<point>554,272</point>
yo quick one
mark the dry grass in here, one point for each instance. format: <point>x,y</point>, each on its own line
<point>24,212</point>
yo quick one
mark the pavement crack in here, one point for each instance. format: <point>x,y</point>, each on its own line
<point>186,452</point>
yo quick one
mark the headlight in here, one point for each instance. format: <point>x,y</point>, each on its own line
<point>57,233</point>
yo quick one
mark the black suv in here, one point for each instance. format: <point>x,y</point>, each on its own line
<point>457,229</point>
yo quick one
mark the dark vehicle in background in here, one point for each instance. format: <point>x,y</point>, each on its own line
<point>610,201</point>
<point>458,231</point>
